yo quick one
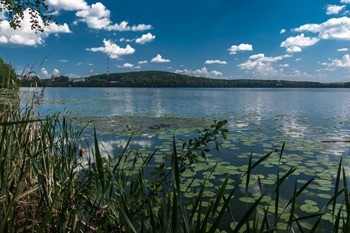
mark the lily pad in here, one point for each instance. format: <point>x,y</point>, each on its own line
<point>307,208</point>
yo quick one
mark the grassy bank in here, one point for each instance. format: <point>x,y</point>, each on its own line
<point>54,181</point>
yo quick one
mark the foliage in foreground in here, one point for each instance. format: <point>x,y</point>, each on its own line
<point>8,77</point>
<point>47,184</point>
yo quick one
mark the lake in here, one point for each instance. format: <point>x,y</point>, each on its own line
<point>259,121</point>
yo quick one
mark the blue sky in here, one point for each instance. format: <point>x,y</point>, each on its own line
<point>261,39</point>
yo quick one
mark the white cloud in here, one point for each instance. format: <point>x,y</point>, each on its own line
<point>124,26</point>
<point>24,35</point>
<point>128,65</point>
<point>145,38</point>
<point>344,62</point>
<point>95,16</point>
<point>296,43</point>
<point>282,31</point>
<point>334,9</point>
<point>345,1</point>
<point>242,47</point>
<point>55,72</point>
<point>262,65</point>
<point>342,50</point>
<point>203,72</point>
<point>159,59</point>
<point>184,71</point>
<point>335,28</point>
<point>67,5</point>
<point>64,60</point>
<point>209,62</point>
<point>257,56</point>
<point>143,62</point>
<point>126,40</point>
<point>113,50</point>
<point>44,72</point>
<point>284,65</point>
<point>216,73</point>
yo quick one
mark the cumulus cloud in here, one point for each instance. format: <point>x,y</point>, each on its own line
<point>335,28</point>
<point>126,40</point>
<point>44,72</point>
<point>67,5</point>
<point>342,50</point>
<point>216,73</point>
<point>334,9</point>
<point>97,16</point>
<point>282,31</point>
<point>296,43</point>
<point>284,65</point>
<point>145,38</point>
<point>143,62</point>
<point>159,59</point>
<point>345,1</point>
<point>262,65</point>
<point>203,72</point>
<point>209,62</point>
<point>24,35</point>
<point>344,62</point>
<point>128,65</point>
<point>112,49</point>
<point>238,48</point>
<point>55,72</point>
<point>124,26</point>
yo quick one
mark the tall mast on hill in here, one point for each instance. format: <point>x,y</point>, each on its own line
<point>107,65</point>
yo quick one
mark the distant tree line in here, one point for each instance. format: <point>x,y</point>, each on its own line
<point>168,79</point>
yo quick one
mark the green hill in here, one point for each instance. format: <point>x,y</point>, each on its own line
<point>168,79</point>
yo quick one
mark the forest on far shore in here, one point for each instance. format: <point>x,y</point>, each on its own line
<point>167,79</point>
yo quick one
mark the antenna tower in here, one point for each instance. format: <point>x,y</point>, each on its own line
<point>107,65</point>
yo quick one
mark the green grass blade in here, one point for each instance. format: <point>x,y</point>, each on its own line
<point>301,190</point>
<point>246,215</point>
<point>337,182</point>
<point>347,203</point>
<point>224,207</point>
<point>99,162</point>
<point>258,162</point>
<point>316,224</point>
<point>281,153</point>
